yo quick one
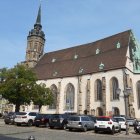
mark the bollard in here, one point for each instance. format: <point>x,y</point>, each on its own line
<point>127,128</point>
<point>31,138</point>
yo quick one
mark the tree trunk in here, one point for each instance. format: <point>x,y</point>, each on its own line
<point>40,107</point>
<point>17,108</point>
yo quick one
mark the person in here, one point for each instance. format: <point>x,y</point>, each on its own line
<point>127,128</point>
<point>5,113</point>
<point>136,123</point>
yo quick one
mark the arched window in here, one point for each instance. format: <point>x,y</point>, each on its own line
<point>54,92</point>
<point>138,93</point>
<point>98,90</point>
<point>113,88</point>
<point>69,97</point>
<point>116,111</point>
<point>99,111</point>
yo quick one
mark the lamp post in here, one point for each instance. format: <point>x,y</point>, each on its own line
<point>127,92</point>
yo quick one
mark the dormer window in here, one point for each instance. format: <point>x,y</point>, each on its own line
<point>81,70</point>
<point>53,60</point>
<point>75,56</point>
<point>97,51</point>
<point>101,66</point>
<point>118,45</point>
<point>55,73</point>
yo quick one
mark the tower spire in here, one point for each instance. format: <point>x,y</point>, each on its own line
<point>38,19</point>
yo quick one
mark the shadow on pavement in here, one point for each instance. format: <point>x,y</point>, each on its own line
<point>2,137</point>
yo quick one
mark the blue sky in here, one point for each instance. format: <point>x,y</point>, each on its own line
<point>66,23</point>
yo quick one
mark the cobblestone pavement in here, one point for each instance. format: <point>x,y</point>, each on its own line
<point>12,132</point>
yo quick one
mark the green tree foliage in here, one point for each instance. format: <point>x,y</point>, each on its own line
<point>42,96</point>
<point>18,86</point>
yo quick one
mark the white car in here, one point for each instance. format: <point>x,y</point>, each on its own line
<point>104,123</point>
<point>122,122</point>
<point>25,118</point>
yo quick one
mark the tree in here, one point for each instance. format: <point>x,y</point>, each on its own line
<point>42,95</point>
<point>18,86</point>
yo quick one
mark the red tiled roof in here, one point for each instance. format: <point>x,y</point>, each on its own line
<point>66,66</point>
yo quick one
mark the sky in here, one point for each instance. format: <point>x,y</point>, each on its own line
<point>66,23</point>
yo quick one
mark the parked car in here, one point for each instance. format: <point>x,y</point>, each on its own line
<point>93,117</point>
<point>59,120</point>
<point>10,118</point>
<point>80,122</point>
<point>42,120</point>
<point>105,123</point>
<point>25,118</point>
<point>137,126</point>
<point>124,116</point>
<point>130,121</point>
<point>121,121</point>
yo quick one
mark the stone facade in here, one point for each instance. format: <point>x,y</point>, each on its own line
<point>84,102</point>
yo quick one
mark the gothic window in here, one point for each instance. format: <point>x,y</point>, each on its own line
<point>113,88</point>
<point>116,111</point>
<point>30,45</point>
<point>99,111</point>
<point>98,90</point>
<point>34,55</point>
<point>69,97</point>
<point>138,93</point>
<point>54,92</point>
<point>39,47</point>
<point>35,47</point>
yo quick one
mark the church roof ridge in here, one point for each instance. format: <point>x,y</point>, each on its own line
<point>80,45</point>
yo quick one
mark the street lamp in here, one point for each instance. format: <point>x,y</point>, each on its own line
<point>118,91</point>
<point>127,92</point>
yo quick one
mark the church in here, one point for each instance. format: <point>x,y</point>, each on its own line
<point>98,78</point>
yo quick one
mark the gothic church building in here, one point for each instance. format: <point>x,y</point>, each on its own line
<point>98,78</point>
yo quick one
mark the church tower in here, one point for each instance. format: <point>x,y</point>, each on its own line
<point>35,42</point>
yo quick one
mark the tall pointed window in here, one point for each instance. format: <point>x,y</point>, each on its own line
<point>98,90</point>
<point>69,97</point>
<point>54,92</point>
<point>113,89</point>
<point>99,111</point>
<point>138,93</point>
